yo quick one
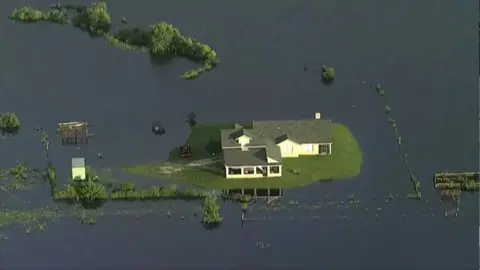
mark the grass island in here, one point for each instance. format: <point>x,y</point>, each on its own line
<point>161,40</point>
<point>206,166</point>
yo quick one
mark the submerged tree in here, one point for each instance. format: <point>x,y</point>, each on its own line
<point>328,73</point>
<point>191,119</point>
<point>95,19</point>
<point>9,123</point>
<point>211,210</point>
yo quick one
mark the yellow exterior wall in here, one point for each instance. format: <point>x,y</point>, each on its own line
<point>78,173</point>
<point>297,149</point>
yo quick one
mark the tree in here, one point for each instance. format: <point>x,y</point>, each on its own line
<point>211,210</point>
<point>95,19</point>
<point>191,119</point>
<point>90,190</point>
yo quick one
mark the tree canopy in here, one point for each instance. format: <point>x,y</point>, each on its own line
<point>328,73</point>
<point>211,210</point>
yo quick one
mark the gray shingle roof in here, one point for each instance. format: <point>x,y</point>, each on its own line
<point>251,157</point>
<point>300,131</point>
<point>268,134</point>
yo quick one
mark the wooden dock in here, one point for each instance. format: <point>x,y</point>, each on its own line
<point>464,181</point>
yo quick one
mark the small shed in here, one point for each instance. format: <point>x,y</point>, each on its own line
<point>78,169</point>
<point>73,132</point>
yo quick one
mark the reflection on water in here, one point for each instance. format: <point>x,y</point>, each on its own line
<point>255,193</point>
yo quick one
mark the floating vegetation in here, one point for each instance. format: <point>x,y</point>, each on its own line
<point>464,181</point>
<point>393,124</point>
<point>211,211</point>
<point>21,177</point>
<point>29,219</point>
<point>162,40</point>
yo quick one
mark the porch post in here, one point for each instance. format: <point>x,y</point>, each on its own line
<point>242,168</point>
<point>268,171</point>
<point>329,148</point>
<point>226,171</point>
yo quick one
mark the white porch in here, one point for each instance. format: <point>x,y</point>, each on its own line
<point>253,171</point>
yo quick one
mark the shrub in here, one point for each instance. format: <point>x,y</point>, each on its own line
<point>9,121</point>
<point>28,14</point>
<point>94,20</point>
<point>328,73</point>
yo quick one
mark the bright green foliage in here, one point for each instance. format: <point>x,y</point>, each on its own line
<point>9,121</point>
<point>328,73</point>
<point>164,40</point>
<point>28,14</point>
<point>90,190</point>
<point>211,210</point>
<point>161,40</point>
<point>94,20</point>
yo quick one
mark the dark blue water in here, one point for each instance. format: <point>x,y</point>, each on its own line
<point>424,53</point>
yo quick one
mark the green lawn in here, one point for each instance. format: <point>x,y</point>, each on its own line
<point>345,162</point>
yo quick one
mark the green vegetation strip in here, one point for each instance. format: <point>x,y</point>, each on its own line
<point>393,124</point>
<point>92,189</point>
<point>161,40</point>
<point>204,140</point>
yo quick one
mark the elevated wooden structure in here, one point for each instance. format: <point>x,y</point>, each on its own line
<point>464,181</point>
<point>73,132</point>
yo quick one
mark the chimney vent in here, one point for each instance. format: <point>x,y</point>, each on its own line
<point>318,115</point>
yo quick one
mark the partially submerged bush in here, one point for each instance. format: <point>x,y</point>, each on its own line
<point>328,73</point>
<point>28,14</point>
<point>9,122</point>
<point>211,211</point>
<point>164,40</point>
<point>94,20</point>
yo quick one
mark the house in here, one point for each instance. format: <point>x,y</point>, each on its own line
<point>78,169</point>
<point>259,151</point>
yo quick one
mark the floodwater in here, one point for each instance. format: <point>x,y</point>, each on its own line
<point>424,54</point>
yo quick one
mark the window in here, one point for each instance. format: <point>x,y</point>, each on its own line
<point>308,147</point>
<point>249,170</point>
<point>234,171</point>
<point>275,169</point>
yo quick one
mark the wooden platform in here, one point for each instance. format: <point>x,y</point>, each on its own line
<point>73,132</point>
<point>464,180</point>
